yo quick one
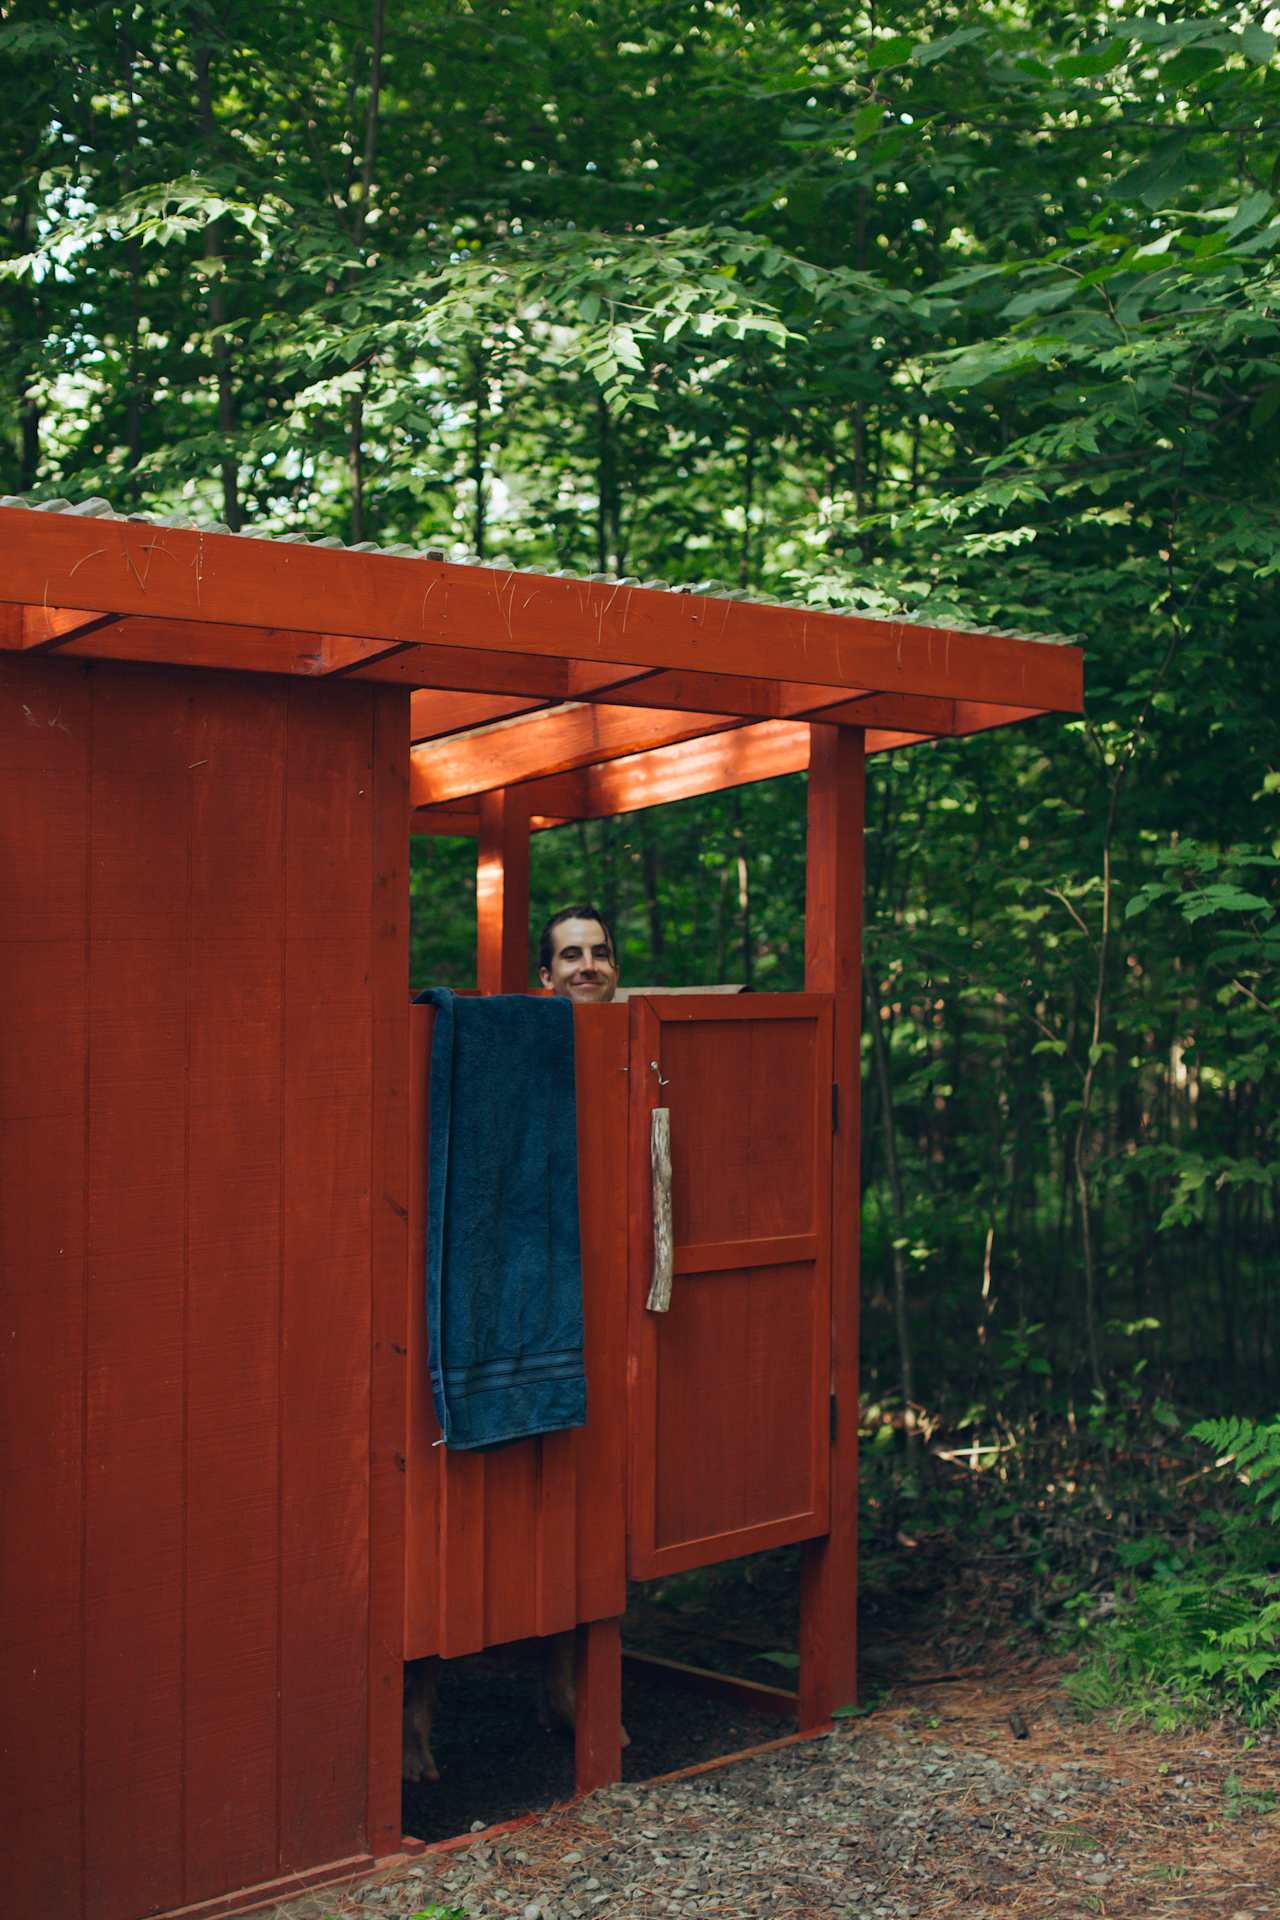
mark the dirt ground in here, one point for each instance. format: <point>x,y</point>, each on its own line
<point>497,1761</point>
<point>978,1796</point>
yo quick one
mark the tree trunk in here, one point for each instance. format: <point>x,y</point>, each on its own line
<point>355,462</point>
<point>748,503</point>
<point>133,389</point>
<point>355,402</point>
<point>27,329</point>
<point>217,303</point>
<point>651,864</point>
<point>722,925</point>
<point>746,938</point>
<point>605,515</point>
<point>29,452</point>
<point>609,865</point>
<point>480,497</point>
<point>897,1205</point>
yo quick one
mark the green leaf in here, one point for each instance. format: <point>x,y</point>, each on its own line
<point>966,277</point>
<point>1248,214</point>
<point>1086,66</point>
<point>924,56</point>
<point>867,121</point>
<point>889,53</point>
<point>1045,301</point>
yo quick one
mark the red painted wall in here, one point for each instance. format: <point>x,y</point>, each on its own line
<point>203,1053</point>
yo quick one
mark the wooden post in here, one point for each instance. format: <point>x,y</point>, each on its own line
<point>389,1223</point>
<point>833,964</point>
<point>502,893</point>
<point>597,1724</point>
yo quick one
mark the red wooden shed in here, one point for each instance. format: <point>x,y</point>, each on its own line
<point>224,1524</point>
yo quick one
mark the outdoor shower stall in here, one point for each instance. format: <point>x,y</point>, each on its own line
<point>225,1526</point>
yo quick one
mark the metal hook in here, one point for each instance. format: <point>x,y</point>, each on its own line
<point>662,1082</point>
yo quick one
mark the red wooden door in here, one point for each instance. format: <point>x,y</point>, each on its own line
<point>730,1428</point>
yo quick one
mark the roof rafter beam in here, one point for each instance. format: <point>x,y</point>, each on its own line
<point>449,770</point>
<point>518,684</point>
<point>679,771</point>
<point>435,713</point>
<point>42,629</point>
<point>205,643</point>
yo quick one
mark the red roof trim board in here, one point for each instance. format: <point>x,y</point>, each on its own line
<point>646,670</point>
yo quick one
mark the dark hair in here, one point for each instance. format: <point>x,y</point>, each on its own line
<point>583,911</point>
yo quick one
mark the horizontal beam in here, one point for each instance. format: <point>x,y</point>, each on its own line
<point>752,697</point>
<point>680,771</point>
<point>290,650</point>
<point>434,713</point>
<point>977,716</point>
<point>41,629</point>
<point>433,716</point>
<point>446,771</point>
<point>676,772</point>
<point>765,751</point>
<point>442,711</point>
<point>889,712</point>
<point>203,643</point>
<point>519,683</point>
<point>462,823</point>
<point>469,670</point>
<point>133,567</point>
<point>475,670</point>
<point>511,743</point>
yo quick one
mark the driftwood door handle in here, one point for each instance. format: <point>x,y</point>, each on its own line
<point>663,1236</point>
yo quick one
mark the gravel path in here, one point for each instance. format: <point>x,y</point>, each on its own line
<point>934,1810</point>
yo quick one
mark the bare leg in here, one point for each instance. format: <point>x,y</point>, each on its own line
<point>421,1694</point>
<point>556,1693</point>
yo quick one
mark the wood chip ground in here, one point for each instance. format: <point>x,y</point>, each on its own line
<point>931,1809</point>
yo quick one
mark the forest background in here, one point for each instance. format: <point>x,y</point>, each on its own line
<point>967,312</point>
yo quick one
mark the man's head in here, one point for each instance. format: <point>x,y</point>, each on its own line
<point>577,958</point>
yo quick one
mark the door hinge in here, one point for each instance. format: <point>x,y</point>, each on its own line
<point>835,1106</point>
<point>833,1417</point>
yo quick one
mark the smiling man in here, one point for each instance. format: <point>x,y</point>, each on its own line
<point>577,957</point>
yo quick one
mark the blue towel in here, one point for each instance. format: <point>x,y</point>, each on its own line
<point>504,1263</point>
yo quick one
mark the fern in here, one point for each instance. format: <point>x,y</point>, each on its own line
<point>1252,1448</point>
<point>1188,1647</point>
<point>1203,1637</point>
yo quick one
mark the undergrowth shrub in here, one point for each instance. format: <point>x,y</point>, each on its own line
<point>1199,1631</point>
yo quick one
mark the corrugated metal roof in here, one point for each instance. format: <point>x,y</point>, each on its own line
<point>451,551</point>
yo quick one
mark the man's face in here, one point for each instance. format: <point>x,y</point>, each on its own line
<point>582,968</point>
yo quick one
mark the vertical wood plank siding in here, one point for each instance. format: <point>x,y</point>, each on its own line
<point>44,840</point>
<point>202,1150</point>
<point>528,1539</point>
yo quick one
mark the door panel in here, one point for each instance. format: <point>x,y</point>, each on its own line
<point>729,1388</point>
<point>754,1327</point>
